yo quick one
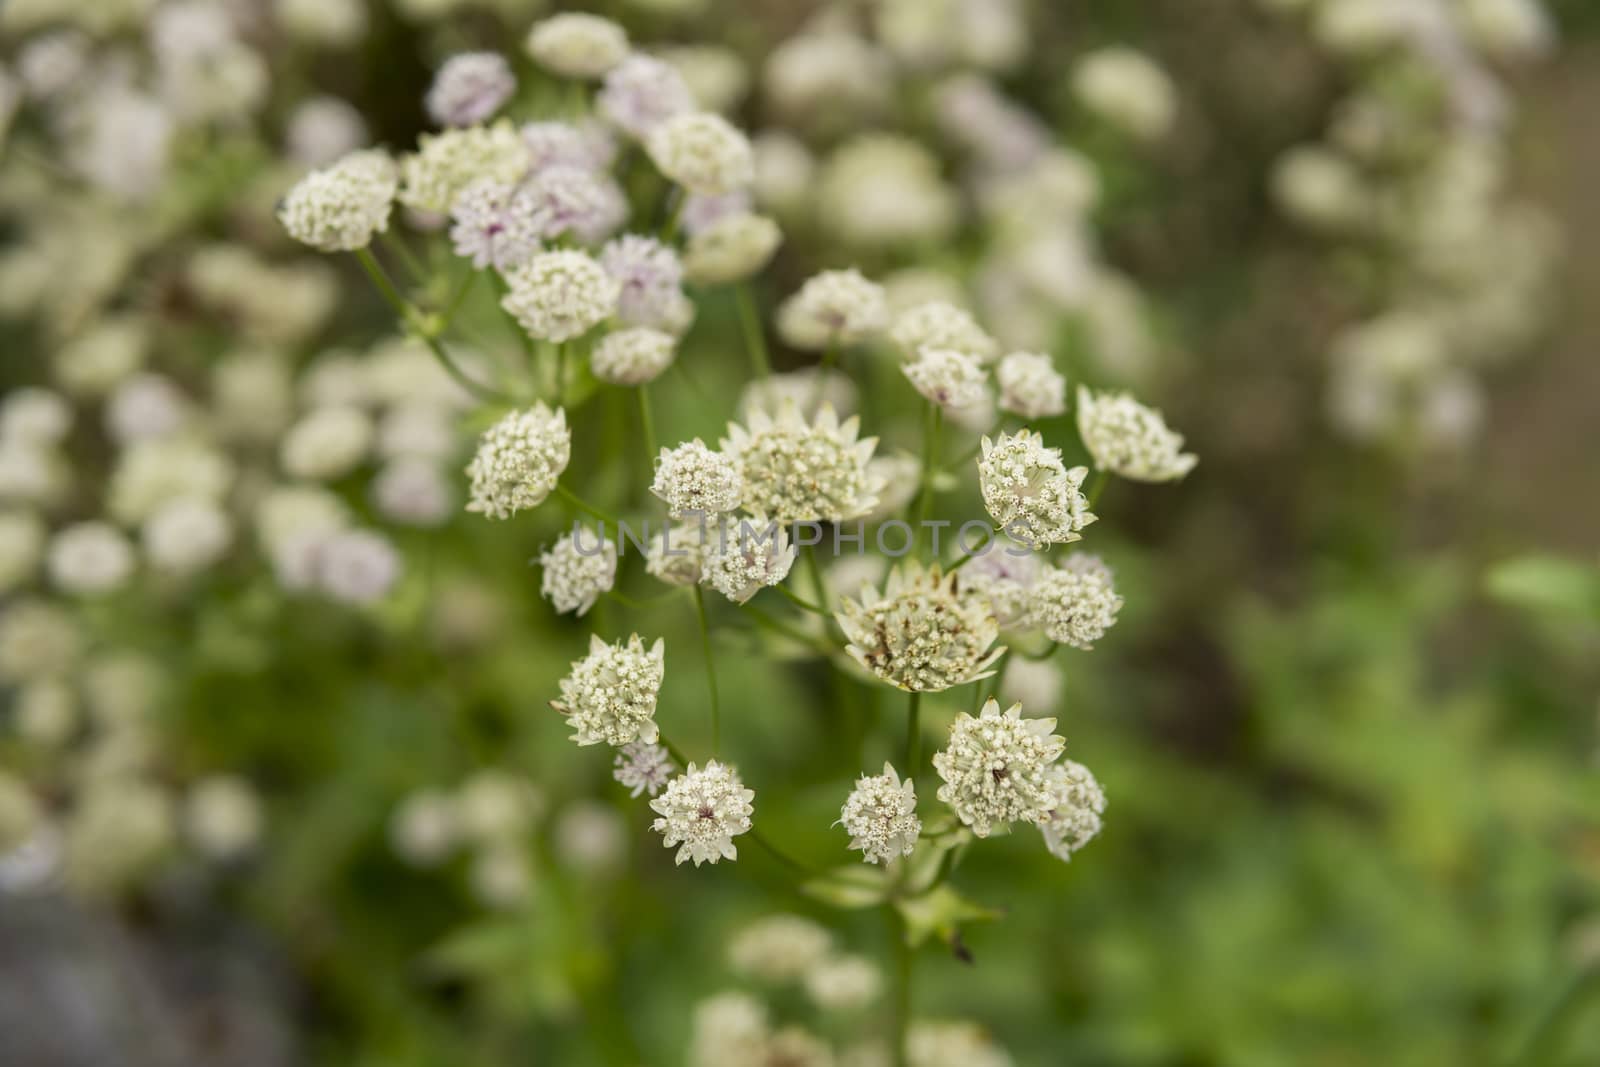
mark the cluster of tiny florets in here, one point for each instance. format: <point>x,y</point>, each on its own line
<point>1005,577</point>
<point>641,93</point>
<point>1129,439</point>
<point>633,356</point>
<point>695,480</point>
<point>795,471</point>
<point>1077,804</point>
<point>577,45</point>
<point>880,815</point>
<point>496,224</point>
<point>609,696</point>
<point>445,163</point>
<point>741,557</point>
<point>469,88</point>
<point>836,307</point>
<point>1031,386</point>
<point>643,767</point>
<point>518,461</point>
<point>577,569</point>
<point>1075,603</point>
<point>1030,492</point>
<point>702,152</point>
<point>677,555</point>
<point>560,295</point>
<point>937,324</point>
<point>946,377</point>
<point>924,633</point>
<point>341,208</point>
<point>996,768</point>
<point>702,811</point>
<point>731,249</point>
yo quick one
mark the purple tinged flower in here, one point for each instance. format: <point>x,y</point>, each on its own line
<point>641,92</point>
<point>469,88</point>
<point>651,276</point>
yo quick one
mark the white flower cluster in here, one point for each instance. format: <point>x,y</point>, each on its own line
<point>702,811</point>
<point>518,461</point>
<point>794,471</point>
<point>341,208</point>
<point>633,356</point>
<point>577,45</point>
<point>694,479</point>
<point>702,152</point>
<point>643,767</point>
<point>731,249</point>
<point>1129,439</point>
<point>557,296</point>
<point>496,224</point>
<point>1077,804</point>
<point>1031,386</point>
<point>744,556</point>
<point>924,633</point>
<point>1075,603</point>
<point>578,568</point>
<point>446,163</point>
<point>609,696</point>
<point>880,815</point>
<point>938,324</point>
<point>947,378</point>
<point>469,88</point>
<point>1028,490</point>
<point>996,768</point>
<point>836,307</point>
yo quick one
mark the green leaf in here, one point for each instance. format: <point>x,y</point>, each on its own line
<point>941,911</point>
<point>857,886</point>
<point>1547,584</point>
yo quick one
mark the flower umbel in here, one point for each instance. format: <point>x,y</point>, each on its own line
<point>1129,439</point>
<point>996,768</point>
<point>518,461</point>
<point>924,633</point>
<point>610,695</point>
<point>880,815</point>
<point>1030,492</point>
<point>703,810</point>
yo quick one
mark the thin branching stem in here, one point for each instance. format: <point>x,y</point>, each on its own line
<point>799,601</point>
<point>913,734</point>
<point>755,340</point>
<point>711,670</point>
<point>587,508</point>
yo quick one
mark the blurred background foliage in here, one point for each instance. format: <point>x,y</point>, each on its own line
<point>1347,723</point>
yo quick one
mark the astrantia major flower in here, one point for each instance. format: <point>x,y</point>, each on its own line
<point>341,208</point>
<point>495,224</point>
<point>609,696</point>
<point>518,461</point>
<point>1075,603</point>
<point>924,633</point>
<point>1031,386</point>
<point>651,278</point>
<point>731,249</point>
<point>577,45</point>
<point>996,768</point>
<point>643,767</point>
<point>937,324</point>
<point>641,93</point>
<point>560,295</point>
<point>1076,806</point>
<point>90,558</point>
<point>835,307</point>
<point>1030,492</point>
<point>577,569</point>
<point>469,88</point>
<point>796,471</point>
<point>703,810</point>
<point>779,948</point>
<point>1129,439</point>
<point>589,145</point>
<point>677,555</point>
<point>633,356</point>
<point>576,200</point>
<point>741,557</point>
<point>880,815</point>
<point>947,378</point>
<point>702,152</point>
<point>1005,577</point>
<point>695,480</point>
<point>446,163</point>
<point>1127,90</point>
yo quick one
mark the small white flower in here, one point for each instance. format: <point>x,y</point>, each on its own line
<point>996,768</point>
<point>424,828</point>
<point>576,200</point>
<point>642,92</point>
<point>651,277</point>
<point>947,378</point>
<point>703,810</point>
<point>677,555</point>
<point>633,356</point>
<point>702,152</point>
<point>1033,683</point>
<point>1031,386</point>
<point>1029,492</point>
<point>187,535</point>
<point>609,696</point>
<point>1075,603</point>
<point>90,558</point>
<point>495,224</point>
<point>835,307</point>
<point>795,471</point>
<point>937,324</point>
<point>1128,91</point>
<point>493,805</point>
<point>588,146</point>
<point>1076,805</point>
<point>145,406</point>
<point>731,249</point>
<point>880,815</point>
<point>34,416</point>
<point>924,633</point>
<point>518,461</point>
<point>222,816</point>
<point>746,555</point>
<point>643,767</point>
<point>695,480</point>
<point>1004,576</point>
<point>580,567</point>
<point>413,491</point>
<point>779,948</point>
<point>577,45</point>
<point>1129,439</point>
<point>357,566</point>
<point>469,88</point>
<point>557,296</point>
<point>150,473</point>
<point>445,163</point>
<point>22,541</point>
<point>844,983</point>
<point>340,208</point>
<point>328,443</point>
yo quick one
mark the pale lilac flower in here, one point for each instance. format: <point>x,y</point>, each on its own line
<point>643,767</point>
<point>496,224</point>
<point>357,566</point>
<point>469,88</point>
<point>651,276</point>
<point>701,211</point>
<point>568,199</point>
<point>641,92</point>
<point>554,144</point>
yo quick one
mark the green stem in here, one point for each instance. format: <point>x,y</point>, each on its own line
<point>648,421</point>
<point>799,601</point>
<point>777,853</point>
<point>902,987</point>
<point>642,605</point>
<point>561,372</point>
<point>711,670</point>
<point>971,554</point>
<point>779,627</point>
<point>398,245</point>
<point>589,509</point>
<point>830,356</point>
<point>1098,486</point>
<point>913,735</point>
<point>755,340</point>
<point>930,457</point>
<point>461,292</point>
<point>385,287</point>
<point>529,352</point>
